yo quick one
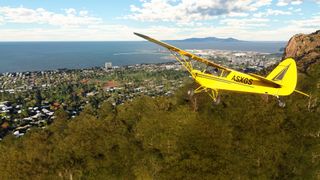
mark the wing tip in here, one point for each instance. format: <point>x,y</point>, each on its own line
<point>140,35</point>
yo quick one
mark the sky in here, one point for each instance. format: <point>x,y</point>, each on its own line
<point>100,20</point>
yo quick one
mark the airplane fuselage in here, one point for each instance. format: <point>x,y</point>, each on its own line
<point>237,81</point>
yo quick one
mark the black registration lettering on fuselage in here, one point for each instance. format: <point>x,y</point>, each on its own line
<point>242,80</point>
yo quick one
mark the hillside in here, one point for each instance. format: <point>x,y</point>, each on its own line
<point>211,39</point>
<point>181,137</point>
<point>305,49</point>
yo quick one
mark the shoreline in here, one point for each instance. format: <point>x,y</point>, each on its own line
<point>83,69</point>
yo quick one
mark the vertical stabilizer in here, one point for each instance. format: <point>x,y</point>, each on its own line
<point>285,74</point>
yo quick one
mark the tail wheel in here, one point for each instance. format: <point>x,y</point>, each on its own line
<point>282,104</point>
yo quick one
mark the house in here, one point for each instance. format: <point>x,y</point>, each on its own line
<point>110,85</point>
<point>4,102</point>
<point>56,105</point>
<point>91,94</point>
<point>17,134</point>
<point>47,112</point>
<point>7,108</point>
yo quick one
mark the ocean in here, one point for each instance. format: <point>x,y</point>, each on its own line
<point>39,56</point>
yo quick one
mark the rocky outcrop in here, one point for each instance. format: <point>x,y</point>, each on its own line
<point>305,49</point>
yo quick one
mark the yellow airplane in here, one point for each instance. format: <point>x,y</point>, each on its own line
<point>280,82</point>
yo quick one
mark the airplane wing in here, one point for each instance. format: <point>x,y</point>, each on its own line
<point>182,52</point>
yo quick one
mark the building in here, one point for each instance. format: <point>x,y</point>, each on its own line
<point>108,65</point>
<point>110,86</point>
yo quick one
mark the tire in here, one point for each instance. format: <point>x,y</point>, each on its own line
<point>282,104</point>
<point>190,92</point>
<point>217,101</point>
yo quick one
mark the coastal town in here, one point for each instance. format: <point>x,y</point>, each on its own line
<point>30,99</point>
<point>241,60</point>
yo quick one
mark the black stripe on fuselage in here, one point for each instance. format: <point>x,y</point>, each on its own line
<point>221,80</point>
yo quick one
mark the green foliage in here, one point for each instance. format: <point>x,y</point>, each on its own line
<point>243,137</point>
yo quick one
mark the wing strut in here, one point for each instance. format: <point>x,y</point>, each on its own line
<point>185,58</point>
<point>184,62</point>
<point>213,93</point>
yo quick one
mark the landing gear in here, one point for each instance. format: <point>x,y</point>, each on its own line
<point>215,96</point>
<point>217,100</point>
<point>191,92</point>
<point>281,104</point>
<point>213,93</point>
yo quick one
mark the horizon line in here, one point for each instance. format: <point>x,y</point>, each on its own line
<point>9,41</point>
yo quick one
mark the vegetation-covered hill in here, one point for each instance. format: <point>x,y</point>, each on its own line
<point>244,137</point>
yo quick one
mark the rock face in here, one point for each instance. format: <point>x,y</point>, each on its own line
<point>305,49</point>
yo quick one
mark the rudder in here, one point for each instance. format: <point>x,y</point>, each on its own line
<point>285,74</point>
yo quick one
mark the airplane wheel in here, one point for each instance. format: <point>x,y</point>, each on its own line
<point>217,101</point>
<point>191,92</point>
<point>282,104</point>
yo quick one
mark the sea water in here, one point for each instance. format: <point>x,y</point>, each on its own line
<point>38,56</point>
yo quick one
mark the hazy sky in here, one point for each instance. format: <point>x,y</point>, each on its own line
<point>76,20</point>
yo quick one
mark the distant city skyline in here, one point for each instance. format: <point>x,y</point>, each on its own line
<point>96,20</point>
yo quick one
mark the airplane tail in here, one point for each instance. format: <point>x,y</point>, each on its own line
<point>285,74</point>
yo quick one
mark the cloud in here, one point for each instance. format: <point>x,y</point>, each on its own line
<point>275,34</point>
<point>271,12</point>
<point>297,10</point>
<point>245,23</point>
<point>42,16</point>
<point>238,14</point>
<point>234,20</point>
<point>102,32</point>
<point>307,23</point>
<point>67,34</point>
<point>71,11</point>
<point>1,20</point>
<point>287,2</point>
<point>192,10</point>
<point>261,3</point>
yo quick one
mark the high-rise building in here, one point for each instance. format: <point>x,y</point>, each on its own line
<point>108,65</point>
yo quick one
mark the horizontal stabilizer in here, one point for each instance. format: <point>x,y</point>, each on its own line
<point>267,81</point>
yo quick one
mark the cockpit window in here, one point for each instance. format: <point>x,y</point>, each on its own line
<point>212,70</point>
<point>225,73</point>
<point>217,72</point>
